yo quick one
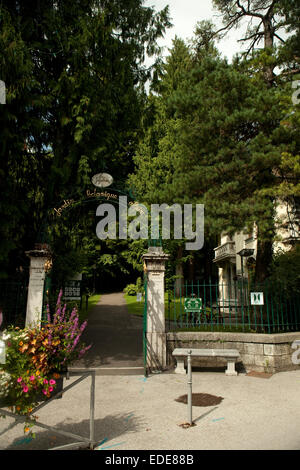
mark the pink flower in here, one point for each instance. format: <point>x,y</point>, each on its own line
<point>25,389</point>
<point>52,382</point>
<point>50,389</point>
<point>44,392</point>
<point>45,381</point>
<point>19,379</point>
<point>32,378</point>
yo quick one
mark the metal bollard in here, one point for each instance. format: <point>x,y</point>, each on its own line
<point>92,411</point>
<point>189,400</point>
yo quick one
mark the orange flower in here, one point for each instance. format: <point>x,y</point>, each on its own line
<point>26,429</point>
<point>21,343</point>
<point>56,376</point>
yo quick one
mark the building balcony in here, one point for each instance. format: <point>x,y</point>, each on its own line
<point>225,252</point>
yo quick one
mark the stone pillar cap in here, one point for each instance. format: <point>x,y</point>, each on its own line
<point>155,252</point>
<point>40,250</point>
<point>37,253</point>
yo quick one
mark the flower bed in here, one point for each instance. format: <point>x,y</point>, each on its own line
<point>37,357</point>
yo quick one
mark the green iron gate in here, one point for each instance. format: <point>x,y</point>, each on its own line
<point>145,327</point>
<point>13,302</point>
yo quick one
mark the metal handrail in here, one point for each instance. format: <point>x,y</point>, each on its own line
<point>83,441</point>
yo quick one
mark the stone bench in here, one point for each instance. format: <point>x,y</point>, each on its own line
<point>231,355</point>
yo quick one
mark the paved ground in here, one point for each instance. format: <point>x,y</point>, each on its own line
<point>134,413</point>
<point>116,337</point>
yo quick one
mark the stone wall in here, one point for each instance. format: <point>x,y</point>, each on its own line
<point>258,352</point>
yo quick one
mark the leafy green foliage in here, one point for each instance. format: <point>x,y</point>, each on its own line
<point>285,278</point>
<point>134,289</point>
<point>75,79</point>
<point>225,135</point>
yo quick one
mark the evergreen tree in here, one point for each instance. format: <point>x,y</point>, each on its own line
<point>75,78</point>
<point>224,144</point>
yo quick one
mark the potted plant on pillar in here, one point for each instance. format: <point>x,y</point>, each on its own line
<point>37,359</point>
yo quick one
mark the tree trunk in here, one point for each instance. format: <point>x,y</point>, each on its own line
<point>263,260</point>
<point>268,44</point>
<point>191,268</point>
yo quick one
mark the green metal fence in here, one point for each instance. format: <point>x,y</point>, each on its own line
<point>232,307</point>
<point>13,302</point>
<point>145,328</point>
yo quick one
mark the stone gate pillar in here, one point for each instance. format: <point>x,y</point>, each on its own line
<point>154,261</point>
<point>37,273</point>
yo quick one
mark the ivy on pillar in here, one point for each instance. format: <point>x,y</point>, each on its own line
<point>154,262</point>
<point>37,271</point>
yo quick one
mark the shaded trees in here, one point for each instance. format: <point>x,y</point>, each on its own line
<point>74,76</point>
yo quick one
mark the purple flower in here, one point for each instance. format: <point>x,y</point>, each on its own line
<point>73,313</point>
<point>74,327</point>
<point>57,315</point>
<point>48,314</point>
<point>63,313</point>
<point>84,350</point>
<point>59,297</point>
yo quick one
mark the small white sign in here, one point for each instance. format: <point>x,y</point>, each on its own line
<point>2,352</point>
<point>139,297</point>
<point>257,298</point>
<point>2,92</point>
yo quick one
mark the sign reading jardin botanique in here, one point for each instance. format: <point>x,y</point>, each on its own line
<point>134,218</point>
<point>192,304</point>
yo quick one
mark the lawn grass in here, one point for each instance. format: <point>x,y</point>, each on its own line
<point>137,308</point>
<point>92,301</point>
<point>134,307</point>
<point>176,309</point>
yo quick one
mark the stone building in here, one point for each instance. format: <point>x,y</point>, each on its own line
<point>235,256</point>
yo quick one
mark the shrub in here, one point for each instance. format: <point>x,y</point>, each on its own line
<point>133,289</point>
